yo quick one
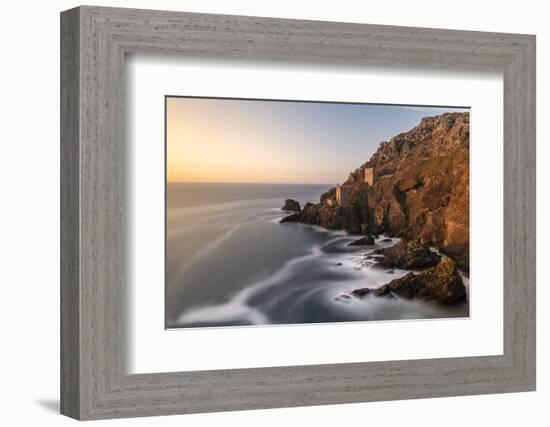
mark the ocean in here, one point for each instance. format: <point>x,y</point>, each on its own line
<point>229,262</point>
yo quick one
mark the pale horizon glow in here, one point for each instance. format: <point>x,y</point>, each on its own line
<point>210,140</point>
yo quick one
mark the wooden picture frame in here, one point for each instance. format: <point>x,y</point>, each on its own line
<point>94,382</point>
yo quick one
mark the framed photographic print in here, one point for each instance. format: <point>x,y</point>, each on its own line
<point>244,176</point>
<point>262,213</point>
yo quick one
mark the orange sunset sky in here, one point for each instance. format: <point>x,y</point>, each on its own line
<point>219,140</point>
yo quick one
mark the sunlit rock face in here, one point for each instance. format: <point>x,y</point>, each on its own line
<point>441,284</point>
<point>419,189</point>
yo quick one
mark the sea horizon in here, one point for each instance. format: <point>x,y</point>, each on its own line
<point>249,183</point>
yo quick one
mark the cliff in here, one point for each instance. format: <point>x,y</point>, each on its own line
<point>420,189</point>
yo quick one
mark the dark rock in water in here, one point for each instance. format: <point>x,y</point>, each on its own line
<point>441,284</point>
<point>389,272</point>
<point>343,298</point>
<point>372,257</point>
<point>339,264</point>
<point>363,241</point>
<point>387,240</point>
<point>361,293</point>
<point>291,205</point>
<point>408,254</point>
<point>291,218</point>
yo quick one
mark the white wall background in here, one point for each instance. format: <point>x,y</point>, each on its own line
<point>29,213</point>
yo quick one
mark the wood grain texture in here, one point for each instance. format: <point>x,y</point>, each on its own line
<point>70,221</point>
<point>94,197</point>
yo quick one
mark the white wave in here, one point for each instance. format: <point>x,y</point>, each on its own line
<point>237,308</point>
<point>228,312</point>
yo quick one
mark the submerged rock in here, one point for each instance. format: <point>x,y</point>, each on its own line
<point>291,218</point>
<point>408,255</point>
<point>363,241</point>
<point>291,205</point>
<point>441,284</point>
<point>361,293</point>
<point>343,298</point>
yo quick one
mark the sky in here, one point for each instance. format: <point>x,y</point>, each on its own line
<point>258,141</point>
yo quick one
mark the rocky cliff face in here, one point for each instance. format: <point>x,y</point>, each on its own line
<point>420,190</point>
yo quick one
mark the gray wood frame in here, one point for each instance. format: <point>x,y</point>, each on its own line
<point>94,41</point>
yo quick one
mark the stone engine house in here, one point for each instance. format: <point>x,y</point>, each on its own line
<point>342,191</point>
<point>341,194</point>
<point>369,175</point>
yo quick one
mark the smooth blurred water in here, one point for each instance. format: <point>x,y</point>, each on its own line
<point>230,262</point>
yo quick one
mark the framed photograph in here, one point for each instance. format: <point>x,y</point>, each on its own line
<point>259,231</point>
<point>261,213</point>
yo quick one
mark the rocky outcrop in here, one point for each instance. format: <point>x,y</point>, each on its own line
<point>408,255</point>
<point>291,205</point>
<point>441,284</point>
<point>420,189</point>
<point>291,218</point>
